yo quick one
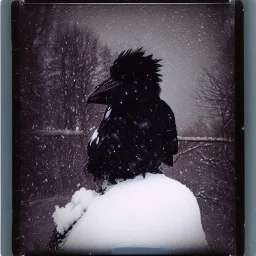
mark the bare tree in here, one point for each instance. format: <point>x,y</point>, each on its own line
<point>72,65</point>
<point>216,88</point>
<point>216,94</point>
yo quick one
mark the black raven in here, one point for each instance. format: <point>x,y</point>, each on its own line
<point>138,131</point>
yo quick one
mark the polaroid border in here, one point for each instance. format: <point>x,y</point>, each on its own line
<point>239,93</point>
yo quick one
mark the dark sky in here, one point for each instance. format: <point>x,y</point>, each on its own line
<point>187,37</point>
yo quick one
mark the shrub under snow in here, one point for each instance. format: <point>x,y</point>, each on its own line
<point>155,212</point>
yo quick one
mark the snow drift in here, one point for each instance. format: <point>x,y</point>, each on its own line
<point>154,212</point>
<point>64,217</point>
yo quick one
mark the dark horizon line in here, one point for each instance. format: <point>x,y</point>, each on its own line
<point>127,2</point>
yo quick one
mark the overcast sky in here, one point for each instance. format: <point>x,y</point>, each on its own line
<point>186,37</point>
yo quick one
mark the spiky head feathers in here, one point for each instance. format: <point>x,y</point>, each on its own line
<point>136,68</point>
<point>134,80</point>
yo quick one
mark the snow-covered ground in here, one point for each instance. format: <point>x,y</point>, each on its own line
<point>154,212</point>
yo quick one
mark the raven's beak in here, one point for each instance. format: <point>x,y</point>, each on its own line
<point>102,92</point>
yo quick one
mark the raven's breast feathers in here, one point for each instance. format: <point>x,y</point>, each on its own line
<point>127,145</point>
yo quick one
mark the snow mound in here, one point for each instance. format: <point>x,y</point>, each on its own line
<point>64,217</point>
<point>152,212</point>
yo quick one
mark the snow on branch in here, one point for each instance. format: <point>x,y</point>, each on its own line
<point>205,139</point>
<point>180,138</point>
<point>57,132</point>
<point>188,150</point>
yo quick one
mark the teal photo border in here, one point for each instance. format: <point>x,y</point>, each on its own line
<point>6,130</point>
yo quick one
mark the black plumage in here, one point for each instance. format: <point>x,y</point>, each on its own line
<point>138,130</point>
